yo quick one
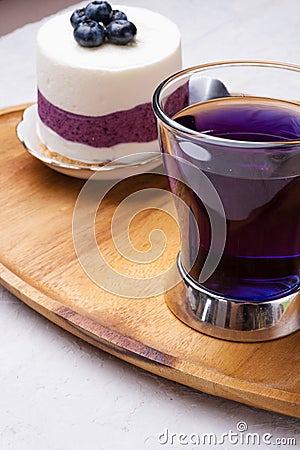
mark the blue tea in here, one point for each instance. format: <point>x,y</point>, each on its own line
<point>261,259</point>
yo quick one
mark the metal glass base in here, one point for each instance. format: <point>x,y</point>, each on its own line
<point>230,319</point>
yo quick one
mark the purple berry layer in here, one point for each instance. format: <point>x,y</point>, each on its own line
<point>178,100</point>
<point>133,125</point>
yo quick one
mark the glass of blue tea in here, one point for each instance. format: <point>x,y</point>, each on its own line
<point>230,141</point>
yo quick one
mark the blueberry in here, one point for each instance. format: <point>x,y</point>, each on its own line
<point>89,33</point>
<point>99,11</point>
<point>120,32</point>
<point>77,17</point>
<point>118,15</point>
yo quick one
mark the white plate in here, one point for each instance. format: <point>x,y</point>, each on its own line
<point>26,132</point>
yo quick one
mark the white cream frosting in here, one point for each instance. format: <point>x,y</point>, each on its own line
<point>109,78</point>
<point>81,152</point>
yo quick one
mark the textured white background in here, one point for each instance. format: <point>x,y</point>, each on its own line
<point>58,393</point>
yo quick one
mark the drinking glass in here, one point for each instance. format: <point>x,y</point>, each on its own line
<point>230,141</point>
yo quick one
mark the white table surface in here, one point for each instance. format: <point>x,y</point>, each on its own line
<point>59,393</point>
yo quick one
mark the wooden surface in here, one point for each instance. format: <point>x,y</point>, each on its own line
<point>39,265</point>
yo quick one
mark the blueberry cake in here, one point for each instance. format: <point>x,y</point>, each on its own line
<point>96,72</point>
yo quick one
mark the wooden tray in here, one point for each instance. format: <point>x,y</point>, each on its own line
<point>39,265</point>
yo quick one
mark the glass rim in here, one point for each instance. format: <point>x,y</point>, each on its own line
<point>210,139</point>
